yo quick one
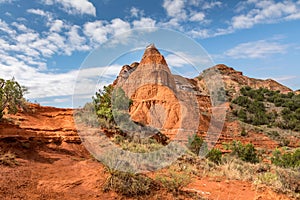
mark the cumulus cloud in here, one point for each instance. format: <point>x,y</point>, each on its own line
<point>197,17</point>
<point>99,30</point>
<point>144,23</point>
<point>175,8</point>
<point>47,84</point>
<point>38,12</point>
<point>75,6</point>
<point>265,12</point>
<point>56,25</point>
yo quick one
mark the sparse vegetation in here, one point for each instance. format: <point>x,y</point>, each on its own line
<point>286,160</point>
<point>253,107</point>
<point>129,184</point>
<point>246,152</point>
<point>174,181</point>
<point>141,146</point>
<point>87,115</point>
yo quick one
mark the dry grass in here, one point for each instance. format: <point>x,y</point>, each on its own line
<point>129,184</point>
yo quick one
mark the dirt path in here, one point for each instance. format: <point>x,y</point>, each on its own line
<point>53,173</point>
<point>67,172</point>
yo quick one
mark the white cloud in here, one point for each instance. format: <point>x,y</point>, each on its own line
<point>175,61</point>
<point>5,28</point>
<point>175,8</point>
<point>181,59</point>
<point>21,27</point>
<point>119,26</point>
<point>144,23</point>
<point>96,31</point>
<point>197,17</point>
<point>99,31</point>
<point>46,84</point>
<point>37,12</point>
<point>135,12</point>
<point>210,5</point>
<point>6,1</point>
<point>265,12</point>
<point>57,25</point>
<point>257,49</point>
<point>75,6</point>
<point>172,23</point>
<point>203,33</point>
<point>76,42</point>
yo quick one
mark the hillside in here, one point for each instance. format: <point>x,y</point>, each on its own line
<point>43,157</point>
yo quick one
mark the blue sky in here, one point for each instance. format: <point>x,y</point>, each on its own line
<point>44,43</point>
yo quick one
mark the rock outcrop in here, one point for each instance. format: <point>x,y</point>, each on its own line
<point>160,99</point>
<point>40,123</point>
<point>235,80</point>
<point>172,104</point>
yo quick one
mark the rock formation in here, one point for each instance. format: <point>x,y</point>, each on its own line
<point>173,104</point>
<point>40,123</point>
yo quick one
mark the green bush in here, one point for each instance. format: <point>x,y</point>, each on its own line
<point>244,133</point>
<point>214,155</point>
<point>246,152</point>
<point>286,160</point>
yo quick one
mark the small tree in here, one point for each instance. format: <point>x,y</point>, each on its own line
<point>195,142</point>
<point>11,96</point>
<point>214,155</point>
<point>111,105</point>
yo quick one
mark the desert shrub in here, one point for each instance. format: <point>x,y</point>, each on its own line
<point>268,178</point>
<point>244,133</point>
<point>290,180</point>
<point>173,181</point>
<point>195,143</point>
<point>87,115</point>
<point>129,184</point>
<point>143,146</point>
<point>286,160</point>
<point>8,159</point>
<point>214,155</point>
<point>246,152</point>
